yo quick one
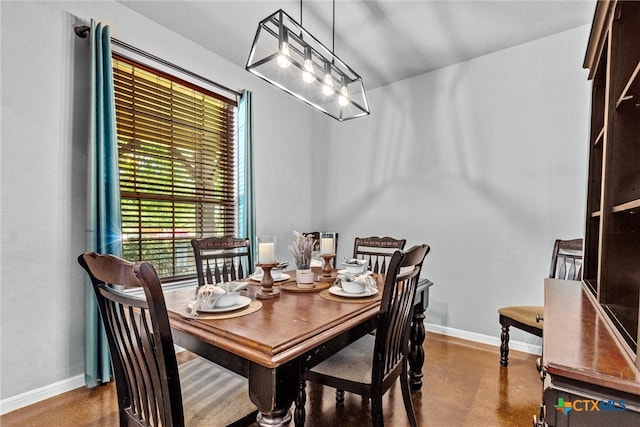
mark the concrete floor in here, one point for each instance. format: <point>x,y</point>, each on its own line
<point>463,385</point>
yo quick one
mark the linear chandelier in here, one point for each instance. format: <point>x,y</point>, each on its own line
<point>289,57</point>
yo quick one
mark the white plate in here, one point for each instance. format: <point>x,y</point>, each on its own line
<point>242,303</point>
<point>342,293</point>
<point>354,274</point>
<point>282,278</point>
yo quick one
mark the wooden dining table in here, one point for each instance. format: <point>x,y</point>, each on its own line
<point>289,334</point>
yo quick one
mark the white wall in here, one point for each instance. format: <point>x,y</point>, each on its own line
<point>44,116</point>
<point>485,161</point>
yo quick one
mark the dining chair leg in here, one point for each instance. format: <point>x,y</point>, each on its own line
<point>376,410</point>
<point>504,345</point>
<point>339,397</point>
<point>406,398</point>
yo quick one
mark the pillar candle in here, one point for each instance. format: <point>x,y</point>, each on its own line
<point>266,253</point>
<point>326,246</point>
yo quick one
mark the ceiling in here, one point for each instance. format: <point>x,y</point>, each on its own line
<point>382,40</point>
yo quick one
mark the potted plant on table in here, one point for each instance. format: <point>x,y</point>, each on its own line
<point>301,250</point>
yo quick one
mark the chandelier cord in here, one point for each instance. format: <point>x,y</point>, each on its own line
<point>333,34</point>
<point>333,45</point>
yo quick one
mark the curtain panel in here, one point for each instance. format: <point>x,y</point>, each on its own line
<point>246,188</point>
<point>103,196</point>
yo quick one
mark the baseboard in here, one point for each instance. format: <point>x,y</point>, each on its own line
<point>42,393</point>
<point>34,396</point>
<point>484,339</point>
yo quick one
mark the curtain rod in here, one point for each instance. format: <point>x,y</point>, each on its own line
<point>82,31</point>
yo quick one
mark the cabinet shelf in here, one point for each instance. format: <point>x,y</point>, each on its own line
<point>631,91</point>
<point>595,214</point>
<point>630,207</point>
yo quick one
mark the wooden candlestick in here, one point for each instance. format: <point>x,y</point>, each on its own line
<point>326,270</point>
<point>267,291</point>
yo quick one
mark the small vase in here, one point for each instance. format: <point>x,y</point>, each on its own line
<point>305,278</point>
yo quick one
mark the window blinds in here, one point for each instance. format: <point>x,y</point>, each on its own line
<point>177,164</point>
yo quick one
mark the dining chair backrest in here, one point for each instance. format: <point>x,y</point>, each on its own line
<point>140,342</point>
<point>566,260</point>
<point>222,259</point>
<point>394,319</point>
<point>377,250</point>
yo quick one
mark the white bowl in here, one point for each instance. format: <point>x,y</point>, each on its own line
<point>227,300</point>
<point>353,287</point>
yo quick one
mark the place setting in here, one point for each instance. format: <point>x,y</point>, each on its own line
<point>354,283</point>
<point>221,301</point>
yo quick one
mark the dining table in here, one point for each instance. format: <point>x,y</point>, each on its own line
<point>272,345</point>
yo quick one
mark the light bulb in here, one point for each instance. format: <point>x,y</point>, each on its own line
<point>343,99</point>
<point>327,86</point>
<point>283,57</point>
<point>308,75</point>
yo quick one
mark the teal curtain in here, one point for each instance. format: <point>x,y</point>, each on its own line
<point>246,188</point>
<point>103,196</point>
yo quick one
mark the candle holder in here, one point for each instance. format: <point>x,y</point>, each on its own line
<point>327,275</point>
<point>266,291</point>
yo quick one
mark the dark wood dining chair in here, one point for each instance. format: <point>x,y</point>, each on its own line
<point>371,365</point>
<point>150,386</point>
<point>377,250</point>
<point>566,264</point>
<point>222,259</point>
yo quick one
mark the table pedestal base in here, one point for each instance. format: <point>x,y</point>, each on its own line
<point>277,418</point>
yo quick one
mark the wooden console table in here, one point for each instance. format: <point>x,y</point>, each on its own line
<point>584,364</point>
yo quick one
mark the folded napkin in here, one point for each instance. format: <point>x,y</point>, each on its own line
<point>366,279</point>
<point>208,294</point>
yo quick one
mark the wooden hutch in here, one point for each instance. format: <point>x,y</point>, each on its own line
<point>591,365</point>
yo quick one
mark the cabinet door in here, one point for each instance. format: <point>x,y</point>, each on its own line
<point>569,404</point>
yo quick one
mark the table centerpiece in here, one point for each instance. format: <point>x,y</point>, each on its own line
<point>301,249</point>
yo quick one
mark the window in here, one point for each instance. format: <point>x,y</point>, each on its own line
<point>177,159</point>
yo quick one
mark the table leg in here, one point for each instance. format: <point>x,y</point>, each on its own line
<point>273,391</point>
<point>416,352</point>
<point>299,414</point>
